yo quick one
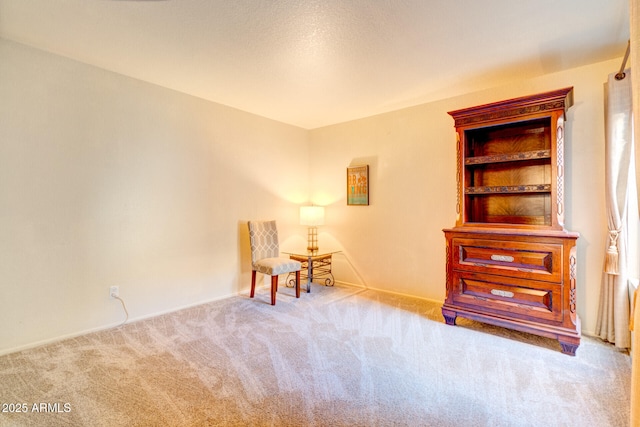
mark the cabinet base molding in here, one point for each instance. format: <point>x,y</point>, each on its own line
<point>568,338</point>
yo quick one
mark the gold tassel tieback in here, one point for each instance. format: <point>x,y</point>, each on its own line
<point>611,258</point>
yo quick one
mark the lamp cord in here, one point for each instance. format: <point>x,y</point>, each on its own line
<point>125,310</point>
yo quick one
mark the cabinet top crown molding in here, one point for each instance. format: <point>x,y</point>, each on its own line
<point>561,99</point>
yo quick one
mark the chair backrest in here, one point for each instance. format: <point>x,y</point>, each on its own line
<point>263,236</point>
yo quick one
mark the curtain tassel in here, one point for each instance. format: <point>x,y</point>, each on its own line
<point>611,258</point>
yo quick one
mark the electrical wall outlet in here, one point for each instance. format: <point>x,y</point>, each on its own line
<point>114,291</point>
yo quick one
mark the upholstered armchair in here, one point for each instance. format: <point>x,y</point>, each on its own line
<point>266,259</point>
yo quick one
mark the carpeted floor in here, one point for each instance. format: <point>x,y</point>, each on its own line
<point>339,356</point>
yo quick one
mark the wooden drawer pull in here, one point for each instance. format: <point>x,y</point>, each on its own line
<point>504,258</point>
<point>501,293</point>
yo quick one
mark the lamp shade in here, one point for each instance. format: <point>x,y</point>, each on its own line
<point>311,215</point>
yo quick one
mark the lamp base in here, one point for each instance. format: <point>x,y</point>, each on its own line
<point>312,239</point>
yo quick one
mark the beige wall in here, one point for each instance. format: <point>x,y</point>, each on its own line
<point>106,180</point>
<point>396,244</point>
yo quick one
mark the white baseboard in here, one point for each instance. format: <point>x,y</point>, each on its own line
<point>183,307</point>
<point>355,285</point>
<point>112,325</point>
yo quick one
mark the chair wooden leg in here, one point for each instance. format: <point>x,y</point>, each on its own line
<point>274,289</point>
<point>253,283</point>
<point>298,284</point>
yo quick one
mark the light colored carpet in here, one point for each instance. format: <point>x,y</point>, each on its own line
<point>339,356</point>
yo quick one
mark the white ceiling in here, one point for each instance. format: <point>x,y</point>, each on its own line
<point>312,63</point>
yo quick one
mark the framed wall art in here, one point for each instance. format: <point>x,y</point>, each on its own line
<point>358,185</point>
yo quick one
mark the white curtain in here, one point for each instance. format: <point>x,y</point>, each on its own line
<point>634,14</point>
<point>613,312</point>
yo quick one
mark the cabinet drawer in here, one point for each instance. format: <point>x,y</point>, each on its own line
<point>526,299</point>
<point>537,261</point>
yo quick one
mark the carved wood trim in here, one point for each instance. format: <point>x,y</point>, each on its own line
<point>458,178</point>
<point>573,267</point>
<point>560,99</point>
<point>536,188</point>
<point>448,272</point>
<point>510,157</point>
<point>515,112</point>
<point>560,170</point>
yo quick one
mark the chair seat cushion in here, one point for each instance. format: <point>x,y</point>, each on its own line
<point>276,266</point>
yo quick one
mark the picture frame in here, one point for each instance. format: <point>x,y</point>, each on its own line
<point>358,185</point>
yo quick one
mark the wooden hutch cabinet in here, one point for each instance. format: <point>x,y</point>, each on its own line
<point>510,262</point>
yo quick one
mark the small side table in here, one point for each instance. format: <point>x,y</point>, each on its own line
<point>315,265</point>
